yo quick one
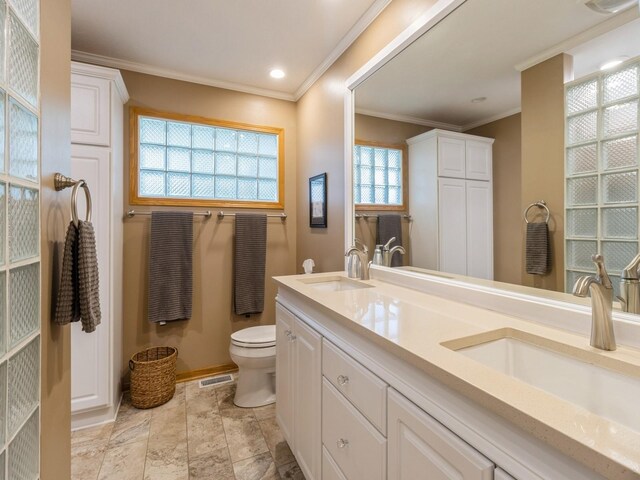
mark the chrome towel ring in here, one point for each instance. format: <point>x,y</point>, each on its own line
<point>61,182</point>
<point>540,204</point>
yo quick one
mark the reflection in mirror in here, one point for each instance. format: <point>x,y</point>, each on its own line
<point>476,109</point>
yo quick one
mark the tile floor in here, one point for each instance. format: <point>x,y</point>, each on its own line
<point>199,434</point>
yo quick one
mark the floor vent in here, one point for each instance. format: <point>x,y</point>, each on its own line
<point>217,380</point>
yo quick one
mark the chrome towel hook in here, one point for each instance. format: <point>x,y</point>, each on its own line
<point>61,182</point>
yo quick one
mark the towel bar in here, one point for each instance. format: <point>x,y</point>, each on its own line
<point>409,218</point>
<point>133,213</point>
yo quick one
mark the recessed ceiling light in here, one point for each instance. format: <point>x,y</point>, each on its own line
<point>478,99</point>
<point>277,73</point>
<point>613,63</point>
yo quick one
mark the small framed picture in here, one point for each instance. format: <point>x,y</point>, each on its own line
<point>318,201</point>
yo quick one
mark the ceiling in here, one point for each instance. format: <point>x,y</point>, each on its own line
<point>227,43</point>
<point>476,52</point>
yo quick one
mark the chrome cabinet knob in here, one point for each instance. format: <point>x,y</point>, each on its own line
<point>343,380</point>
<point>343,442</point>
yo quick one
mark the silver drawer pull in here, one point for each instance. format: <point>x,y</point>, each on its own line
<point>292,338</point>
<point>343,442</point>
<point>343,380</point>
<point>287,333</point>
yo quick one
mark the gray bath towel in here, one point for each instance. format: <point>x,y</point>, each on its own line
<point>170,266</point>
<point>538,249</point>
<point>390,226</point>
<point>249,263</point>
<point>79,291</point>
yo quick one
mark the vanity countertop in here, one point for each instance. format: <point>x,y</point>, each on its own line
<point>413,325</point>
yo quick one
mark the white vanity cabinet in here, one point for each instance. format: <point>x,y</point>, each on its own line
<point>451,202</point>
<point>97,98</point>
<point>420,447</point>
<point>298,390</point>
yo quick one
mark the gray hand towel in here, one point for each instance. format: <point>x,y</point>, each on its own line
<point>170,266</point>
<point>68,300</point>
<point>390,226</point>
<point>538,249</point>
<point>88,281</point>
<point>249,263</point>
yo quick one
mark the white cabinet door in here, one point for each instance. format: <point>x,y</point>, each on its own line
<point>307,446</point>
<point>451,157</point>
<point>284,373</point>
<point>421,448</point>
<point>452,226</point>
<point>502,475</point>
<point>330,471</point>
<point>90,110</point>
<point>90,353</point>
<point>479,229</point>
<point>478,160</point>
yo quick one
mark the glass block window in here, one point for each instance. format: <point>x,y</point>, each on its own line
<point>179,161</point>
<point>601,169</point>
<point>377,175</point>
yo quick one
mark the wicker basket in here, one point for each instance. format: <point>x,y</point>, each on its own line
<point>153,376</point>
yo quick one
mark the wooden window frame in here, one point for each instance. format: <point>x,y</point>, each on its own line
<point>369,207</point>
<point>134,173</point>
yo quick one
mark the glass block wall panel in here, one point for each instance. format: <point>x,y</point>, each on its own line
<point>377,175</point>
<point>602,160</point>
<point>24,451</point>
<point>620,187</point>
<point>2,465</point>
<point>620,222</point>
<point>23,142</point>
<point>24,241</point>
<point>3,313</point>
<point>22,65</point>
<point>582,128</point>
<point>24,314</point>
<point>23,384</point>
<point>3,37</point>
<point>29,13</point>
<point>622,118</point>
<point>618,254</point>
<point>2,128</point>
<point>190,160</point>
<point>582,191</point>
<point>3,402</point>
<point>582,223</point>
<point>583,159</point>
<point>3,220</point>
<point>579,254</point>
<point>620,153</point>
<point>582,97</point>
<point>620,85</point>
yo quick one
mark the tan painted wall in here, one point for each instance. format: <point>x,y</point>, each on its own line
<point>55,459</point>
<point>543,155</point>
<point>391,132</point>
<point>321,134</point>
<point>203,341</point>
<point>507,215</point>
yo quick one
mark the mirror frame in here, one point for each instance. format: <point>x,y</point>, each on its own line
<point>421,25</point>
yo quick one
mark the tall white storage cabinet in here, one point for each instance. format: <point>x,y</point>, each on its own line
<point>97,98</point>
<point>451,202</point>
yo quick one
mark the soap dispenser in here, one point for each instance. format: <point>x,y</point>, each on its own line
<point>377,255</point>
<point>630,287</point>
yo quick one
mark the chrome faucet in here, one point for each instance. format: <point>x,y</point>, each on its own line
<point>358,263</point>
<point>630,287</point>
<point>601,290</point>
<point>387,253</point>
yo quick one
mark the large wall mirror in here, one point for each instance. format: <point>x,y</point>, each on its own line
<point>502,107</point>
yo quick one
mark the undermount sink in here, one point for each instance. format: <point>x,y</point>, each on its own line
<point>603,385</point>
<point>334,284</point>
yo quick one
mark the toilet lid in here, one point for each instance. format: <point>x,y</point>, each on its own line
<point>261,336</point>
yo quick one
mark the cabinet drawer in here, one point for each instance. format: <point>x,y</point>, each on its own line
<point>90,110</point>
<point>330,470</point>
<point>366,391</point>
<point>356,446</point>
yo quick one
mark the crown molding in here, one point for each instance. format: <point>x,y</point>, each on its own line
<point>103,72</point>
<point>360,26</point>
<point>611,24</point>
<point>492,118</point>
<point>409,119</point>
<point>92,58</point>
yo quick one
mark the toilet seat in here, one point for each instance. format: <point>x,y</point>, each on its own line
<point>263,336</point>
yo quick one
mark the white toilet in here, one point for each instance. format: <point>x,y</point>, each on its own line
<point>254,351</point>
